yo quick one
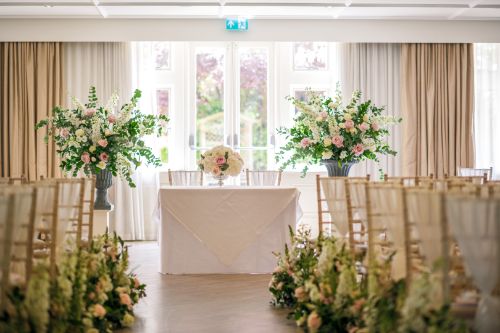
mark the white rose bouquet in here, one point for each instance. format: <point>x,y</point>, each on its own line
<point>221,161</point>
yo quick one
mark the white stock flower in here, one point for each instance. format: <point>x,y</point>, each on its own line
<point>343,154</point>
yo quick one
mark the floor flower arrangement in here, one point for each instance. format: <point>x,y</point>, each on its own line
<point>319,280</point>
<point>93,292</point>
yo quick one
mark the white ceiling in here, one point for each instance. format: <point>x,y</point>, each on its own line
<point>284,9</point>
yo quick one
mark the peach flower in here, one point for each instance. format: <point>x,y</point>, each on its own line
<point>99,311</point>
<point>358,149</point>
<point>313,322</point>
<point>349,124</point>
<point>103,143</point>
<point>112,118</point>
<point>137,284</point>
<point>363,127</point>
<point>375,126</point>
<point>338,141</point>
<point>85,158</point>
<point>305,142</point>
<point>125,299</point>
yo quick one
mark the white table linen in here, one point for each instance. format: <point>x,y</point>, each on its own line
<point>224,230</point>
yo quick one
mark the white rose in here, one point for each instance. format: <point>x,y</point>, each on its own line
<point>79,132</point>
<point>347,116</point>
<point>107,132</point>
<point>327,155</point>
<point>93,159</point>
<point>101,165</point>
<point>343,154</point>
<point>92,149</point>
<point>327,142</point>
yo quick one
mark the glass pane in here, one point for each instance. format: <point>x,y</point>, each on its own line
<point>209,97</point>
<point>253,97</point>
<point>310,56</point>
<point>302,95</point>
<point>163,101</point>
<point>255,159</point>
<point>161,54</point>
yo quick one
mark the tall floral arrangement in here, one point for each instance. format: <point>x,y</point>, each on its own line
<point>326,129</point>
<point>93,137</point>
<point>221,161</point>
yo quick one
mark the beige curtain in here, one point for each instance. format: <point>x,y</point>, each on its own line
<point>437,103</point>
<point>31,84</point>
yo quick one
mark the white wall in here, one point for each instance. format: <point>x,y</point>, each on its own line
<point>260,30</point>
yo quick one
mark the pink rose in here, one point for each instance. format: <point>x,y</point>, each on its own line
<point>103,157</point>
<point>358,149</point>
<point>313,322</point>
<point>125,299</point>
<point>349,124</point>
<point>305,142</point>
<point>323,115</point>
<point>99,311</point>
<point>64,132</point>
<point>85,158</point>
<point>220,160</point>
<point>112,118</point>
<point>375,126</point>
<point>216,170</point>
<point>103,143</point>
<point>338,141</point>
<point>90,112</point>
<point>363,127</point>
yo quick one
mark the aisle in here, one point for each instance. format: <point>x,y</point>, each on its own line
<point>202,303</point>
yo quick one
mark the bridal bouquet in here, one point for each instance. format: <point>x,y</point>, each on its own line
<point>93,137</point>
<point>325,129</point>
<point>221,161</point>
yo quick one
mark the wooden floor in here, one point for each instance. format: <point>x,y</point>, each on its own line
<point>202,303</point>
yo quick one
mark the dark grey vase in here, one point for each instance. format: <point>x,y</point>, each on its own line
<point>334,170</point>
<point>103,181</point>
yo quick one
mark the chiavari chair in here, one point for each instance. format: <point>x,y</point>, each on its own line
<point>263,178</point>
<point>6,242</point>
<point>356,210</point>
<point>387,230</point>
<point>70,206</point>
<point>332,204</point>
<point>185,178</point>
<point>409,181</point>
<point>88,210</point>
<point>486,173</point>
<point>475,224</point>
<point>18,180</point>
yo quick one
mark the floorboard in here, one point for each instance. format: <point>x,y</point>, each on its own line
<point>202,303</point>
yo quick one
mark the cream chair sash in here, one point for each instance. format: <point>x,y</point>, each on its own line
<point>335,197</point>
<point>6,232</point>
<point>387,213</point>
<point>263,178</point>
<point>185,178</point>
<point>475,223</point>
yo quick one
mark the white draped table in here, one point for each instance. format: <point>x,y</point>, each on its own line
<point>206,230</point>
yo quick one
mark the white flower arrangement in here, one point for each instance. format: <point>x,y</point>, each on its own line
<point>221,161</point>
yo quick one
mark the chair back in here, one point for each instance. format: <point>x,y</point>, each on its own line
<point>487,173</point>
<point>263,178</point>
<point>185,178</point>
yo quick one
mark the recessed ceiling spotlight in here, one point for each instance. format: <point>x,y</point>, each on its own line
<point>48,6</point>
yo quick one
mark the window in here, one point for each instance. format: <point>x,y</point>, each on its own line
<point>230,93</point>
<point>161,55</point>
<point>310,56</point>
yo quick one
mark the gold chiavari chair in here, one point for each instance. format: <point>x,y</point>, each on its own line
<point>263,178</point>
<point>70,206</point>
<point>18,180</point>
<point>356,210</point>
<point>486,173</point>
<point>409,181</point>
<point>185,178</point>
<point>475,224</point>
<point>429,232</point>
<point>88,210</point>
<point>6,242</point>
<point>24,217</point>
<point>387,230</point>
<point>333,204</point>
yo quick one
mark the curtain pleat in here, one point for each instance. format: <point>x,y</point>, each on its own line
<point>437,104</point>
<point>374,70</point>
<point>32,83</point>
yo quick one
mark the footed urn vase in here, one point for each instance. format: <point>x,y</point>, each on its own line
<point>104,180</point>
<point>334,170</point>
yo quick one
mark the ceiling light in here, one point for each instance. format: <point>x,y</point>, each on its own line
<point>48,6</point>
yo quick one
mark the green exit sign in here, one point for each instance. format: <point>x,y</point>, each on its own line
<point>237,24</point>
